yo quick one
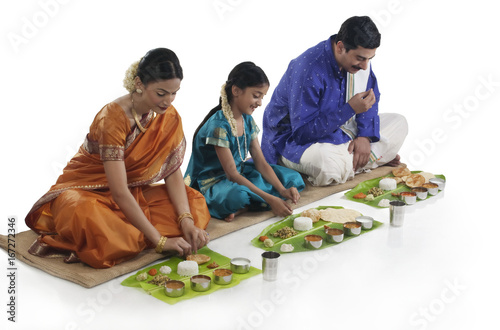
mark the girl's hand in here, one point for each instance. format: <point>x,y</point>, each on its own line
<point>279,206</point>
<point>178,244</point>
<point>292,194</point>
<point>195,236</point>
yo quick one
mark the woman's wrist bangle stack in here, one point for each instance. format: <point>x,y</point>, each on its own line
<point>185,215</point>
<point>161,244</point>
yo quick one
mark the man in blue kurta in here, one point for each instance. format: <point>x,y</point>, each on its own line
<point>322,119</point>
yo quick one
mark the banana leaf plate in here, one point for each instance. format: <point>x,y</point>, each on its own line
<point>297,241</point>
<point>364,186</point>
<point>159,291</point>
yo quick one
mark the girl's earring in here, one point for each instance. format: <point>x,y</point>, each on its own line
<point>138,90</point>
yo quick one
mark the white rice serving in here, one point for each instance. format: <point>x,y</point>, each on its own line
<point>387,184</point>
<point>384,203</point>
<point>187,268</point>
<point>286,248</point>
<point>302,223</point>
<point>165,270</point>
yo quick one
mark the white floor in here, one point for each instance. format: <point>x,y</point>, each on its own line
<point>438,271</point>
<point>437,66</point>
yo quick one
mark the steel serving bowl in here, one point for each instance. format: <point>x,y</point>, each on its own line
<point>352,228</point>
<point>223,276</point>
<point>240,265</point>
<point>313,241</point>
<point>421,192</point>
<point>440,182</point>
<point>201,283</point>
<point>366,221</point>
<point>174,288</point>
<point>409,197</point>
<point>433,188</point>
<point>334,235</point>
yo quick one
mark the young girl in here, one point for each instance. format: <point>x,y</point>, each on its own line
<point>218,166</point>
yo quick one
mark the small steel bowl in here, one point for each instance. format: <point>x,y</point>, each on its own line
<point>366,221</point>
<point>240,265</point>
<point>201,283</point>
<point>313,241</point>
<point>421,192</point>
<point>440,182</point>
<point>334,235</point>
<point>223,276</point>
<point>433,188</point>
<point>352,228</point>
<point>408,197</point>
<point>174,288</point>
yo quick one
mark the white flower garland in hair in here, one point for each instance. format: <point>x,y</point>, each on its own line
<point>226,110</point>
<point>228,113</point>
<point>130,74</point>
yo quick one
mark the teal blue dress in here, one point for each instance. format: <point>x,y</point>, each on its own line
<point>205,172</point>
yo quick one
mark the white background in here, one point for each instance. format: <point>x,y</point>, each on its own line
<point>437,65</point>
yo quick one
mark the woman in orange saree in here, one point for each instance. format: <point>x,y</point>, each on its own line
<point>104,208</point>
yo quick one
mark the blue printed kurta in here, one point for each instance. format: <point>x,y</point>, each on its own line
<point>309,105</point>
<point>205,172</point>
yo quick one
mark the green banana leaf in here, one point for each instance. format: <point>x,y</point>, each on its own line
<point>298,240</point>
<point>158,291</point>
<point>366,185</point>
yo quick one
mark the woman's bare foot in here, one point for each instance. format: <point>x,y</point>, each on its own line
<point>230,217</point>
<point>395,162</point>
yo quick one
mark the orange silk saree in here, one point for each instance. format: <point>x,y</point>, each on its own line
<point>78,215</point>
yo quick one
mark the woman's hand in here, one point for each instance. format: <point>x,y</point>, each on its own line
<point>178,244</point>
<point>195,236</point>
<point>279,206</point>
<point>292,194</point>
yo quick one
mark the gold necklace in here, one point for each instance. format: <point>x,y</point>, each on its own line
<point>134,114</point>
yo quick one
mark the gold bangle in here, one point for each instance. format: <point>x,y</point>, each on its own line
<point>184,216</point>
<point>161,244</point>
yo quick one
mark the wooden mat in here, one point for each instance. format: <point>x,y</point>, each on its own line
<point>88,277</point>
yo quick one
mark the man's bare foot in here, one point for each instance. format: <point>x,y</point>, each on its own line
<point>395,162</point>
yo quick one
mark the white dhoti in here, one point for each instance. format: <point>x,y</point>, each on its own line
<point>327,163</point>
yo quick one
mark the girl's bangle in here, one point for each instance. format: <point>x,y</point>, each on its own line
<point>161,244</point>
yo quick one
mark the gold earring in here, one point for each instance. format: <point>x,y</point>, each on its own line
<point>138,90</point>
